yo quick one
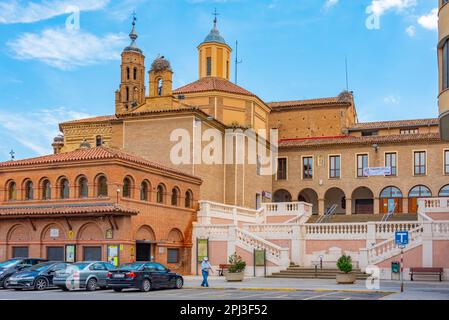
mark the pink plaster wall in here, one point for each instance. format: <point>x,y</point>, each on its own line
<point>218,252</point>
<point>412,258</point>
<point>324,245</point>
<point>279,219</point>
<point>441,253</point>
<point>439,215</point>
<point>221,221</point>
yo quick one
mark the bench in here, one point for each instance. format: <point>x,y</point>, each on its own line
<point>222,268</point>
<point>427,271</point>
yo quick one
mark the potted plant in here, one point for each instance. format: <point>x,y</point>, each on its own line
<point>236,269</point>
<point>344,264</point>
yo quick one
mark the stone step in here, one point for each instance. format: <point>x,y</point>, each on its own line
<point>319,273</point>
<point>308,276</point>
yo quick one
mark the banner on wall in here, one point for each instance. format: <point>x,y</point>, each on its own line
<point>377,171</point>
<point>113,255</point>
<point>70,253</point>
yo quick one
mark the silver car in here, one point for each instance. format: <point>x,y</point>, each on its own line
<point>88,275</point>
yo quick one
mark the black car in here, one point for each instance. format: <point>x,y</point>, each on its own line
<point>38,277</point>
<point>9,267</point>
<point>144,276</point>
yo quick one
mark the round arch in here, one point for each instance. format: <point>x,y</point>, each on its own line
<point>145,233</point>
<point>444,191</point>
<point>175,236</point>
<point>335,196</point>
<point>419,191</point>
<point>362,201</point>
<point>310,196</point>
<point>90,231</point>
<point>45,233</point>
<point>390,200</point>
<point>282,195</point>
<point>19,233</point>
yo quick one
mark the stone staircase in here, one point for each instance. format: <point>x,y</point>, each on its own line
<point>296,272</point>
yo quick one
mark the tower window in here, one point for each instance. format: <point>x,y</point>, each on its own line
<point>227,69</point>
<point>127,94</point>
<point>127,73</point>
<point>98,141</point>
<point>135,73</point>
<point>29,194</point>
<point>159,87</point>
<point>209,66</point>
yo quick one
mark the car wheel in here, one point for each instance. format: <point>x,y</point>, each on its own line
<point>145,286</point>
<point>17,289</point>
<point>91,285</point>
<point>4,283</point>
<point>179,283</point>
<point>65,289</point>
<point>41,284</point>
<point>118,289</point>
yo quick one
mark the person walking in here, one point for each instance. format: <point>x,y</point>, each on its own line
<point>205,269</point>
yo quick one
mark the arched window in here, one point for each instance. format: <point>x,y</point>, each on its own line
<point>64,190</point>
<point>174,196</point>
<point>390,200</point>
<point>98,141</point>
<point>135,73</point>
<point>12,191</point>
<point>160,83</point>
<point>127,93</point>
<point>127,73</point>
<point>414,194</point>
<point>29,192</point>
<point>444,192</point>
<point>46,190</point>
<point>83,188</point>
<point>144,191</point>
<point>160,196</point>
<point>188,199</point>
<point>127,188</point>
<point>391,192</point>
<point>445,57</point>
<point>102,187</point>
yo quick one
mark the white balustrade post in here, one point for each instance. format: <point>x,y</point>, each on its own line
<point>232,239</point>
<point>234,215</point>
<point>427,244</point>
<point>371,237</point>
<point>284,258</point>
<point>297,240</point>
<point>363,259</point>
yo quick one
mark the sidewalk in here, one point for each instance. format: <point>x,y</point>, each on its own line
<point>413,290</point>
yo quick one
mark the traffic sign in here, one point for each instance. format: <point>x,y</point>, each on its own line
<point>401,238</point>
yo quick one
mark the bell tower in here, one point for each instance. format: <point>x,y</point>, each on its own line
<point>132,85</point>
<point>214,55</point>
<point>161,78</point>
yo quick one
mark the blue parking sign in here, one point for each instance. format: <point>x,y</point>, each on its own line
<point>401,238</point>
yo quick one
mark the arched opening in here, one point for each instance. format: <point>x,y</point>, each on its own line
<point>175,197</point>
<point>160,84</point>
<point>46,190</point>
<point>29,190</point>
<point>12,191</point>
<point>282,196</point>
<point>102,186</point>
<point>335,196</point>
<point>145,240</point>
<point>444,192</point>
<point>127,73</point>
<point>309,196</point>
<point>64,189</point>
<point>83,188</point>
<point>98,141</point>
<point>390,200</point>
<point>188,199</point>
<point>416,193</point>
<point>175,236</point>
<point>127,94</point>
<point>145,191</point>
<point>160,195</point>
<point>127,187</point>
<point>362,201</point>
<point>135,73</point>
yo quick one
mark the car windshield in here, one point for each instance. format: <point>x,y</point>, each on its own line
<point>9,263</point>
<point>131,266</point>
<point>79,265</point>
<point>41,266</point>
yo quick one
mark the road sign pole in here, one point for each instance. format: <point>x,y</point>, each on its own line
<point>402,269</point>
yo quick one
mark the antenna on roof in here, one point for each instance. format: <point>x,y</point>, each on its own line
<point>347,77</point>
<point>237,60</point>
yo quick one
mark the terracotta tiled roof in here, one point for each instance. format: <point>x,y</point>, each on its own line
<point>294,104</point>
<point>213,84</point>
<point>98,153</point>
<point>91,120</point>
<point>395,124</point>
<point>345,140</point>
<point>66,209</point>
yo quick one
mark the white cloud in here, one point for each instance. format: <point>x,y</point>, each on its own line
<point>330,3</point>
<point>430,20</point>
<point>67,49</point>
<point>391,99</point>
<point>35,130</point>
<point>411,31</point>
<point>18,11</point>
<point>379,7</point>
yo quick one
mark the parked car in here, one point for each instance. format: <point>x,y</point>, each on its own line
<point>11,266</point>
<point>144,276</point>
<point>88,275</point>
<point>38,277</point>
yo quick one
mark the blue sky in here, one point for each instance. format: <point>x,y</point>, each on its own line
<point>52,71</point>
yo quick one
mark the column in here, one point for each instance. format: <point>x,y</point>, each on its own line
<point>232,236</point>
<point>427,244</point>
<point>321,207</point>
<point>376,206</point>
<point>296,240</point>
<point>348,207</point>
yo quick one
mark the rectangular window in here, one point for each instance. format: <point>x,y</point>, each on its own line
<point>282,169</point>
<point>209,66</point>
<point>391,162</point>
<point>446,162</point>
<point>362,163</point>
<point>172,255</point>
<point>420,163</point>
<point>307,164</point>
<point>334,167</point>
